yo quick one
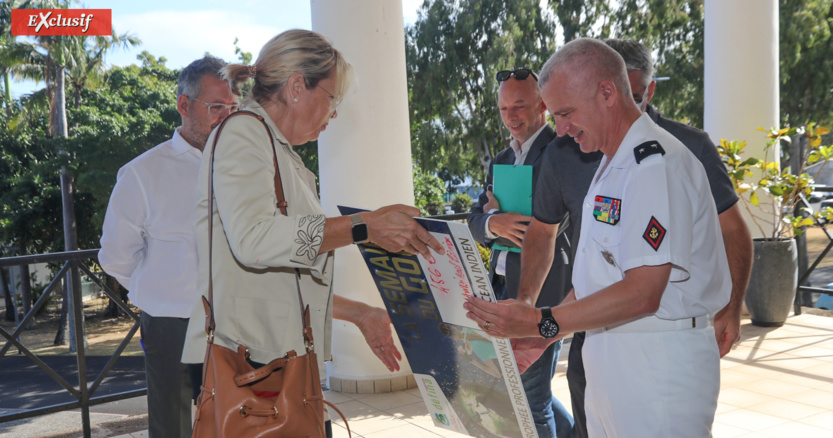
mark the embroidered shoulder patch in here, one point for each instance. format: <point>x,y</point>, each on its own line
<point>607,209</point>
<point>647,149</point>
<point>654,233</point>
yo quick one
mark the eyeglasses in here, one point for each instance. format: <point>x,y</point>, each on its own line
<point>335,102</point>
<point>218,109</point>
<point>520,74</point>
<point>643,103</point>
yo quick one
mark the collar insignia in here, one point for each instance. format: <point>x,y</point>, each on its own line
<point>647,149</point>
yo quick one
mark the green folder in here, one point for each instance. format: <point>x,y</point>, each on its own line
<point>512,186</point>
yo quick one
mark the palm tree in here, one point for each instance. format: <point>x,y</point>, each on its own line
<point>87,66</point>
<point>12,53</point>
<point>54,59</point>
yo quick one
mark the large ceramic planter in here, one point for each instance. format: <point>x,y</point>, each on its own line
<point>772,284</point>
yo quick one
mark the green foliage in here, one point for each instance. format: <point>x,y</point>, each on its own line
<point>30,198</point>
<point>455,47</point>
<point>578,18</point>
<point>806,63</point>
<point>461,203</point>
<point>150,61</point>
<point>753,175</point>
<point>245,58</point>
<point>453,51</point>
<point>37,291</point>
<point>485,253</point>
<point>132,111</point>
<point>309,154</point>
<point>673,29</point>
<point>428,193</point>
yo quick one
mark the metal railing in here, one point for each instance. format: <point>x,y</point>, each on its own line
<point>84,394</point>
<point>451,217</point>
<point>802,254</point>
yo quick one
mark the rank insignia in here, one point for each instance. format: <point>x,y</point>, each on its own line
<point>607,209</point>
<point>654,233</point>
<point>647,149</point>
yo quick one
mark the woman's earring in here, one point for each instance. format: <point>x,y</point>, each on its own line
<point>295,100</point>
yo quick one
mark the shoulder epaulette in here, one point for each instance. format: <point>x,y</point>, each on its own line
<point>647,149</point>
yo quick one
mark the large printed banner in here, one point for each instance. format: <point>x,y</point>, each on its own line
<point>468,380</point>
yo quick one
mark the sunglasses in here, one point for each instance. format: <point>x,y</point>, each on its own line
<point>520,74</point>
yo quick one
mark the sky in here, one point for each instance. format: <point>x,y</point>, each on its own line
<point>184,30</point>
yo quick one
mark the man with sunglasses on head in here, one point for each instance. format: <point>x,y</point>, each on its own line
<point>148,241</point>
<point>523,114</point>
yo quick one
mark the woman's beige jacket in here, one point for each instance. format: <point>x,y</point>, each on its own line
<point>256,249</point>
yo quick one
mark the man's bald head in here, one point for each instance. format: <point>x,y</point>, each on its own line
<point>590,61</point>
<point>586,90</point>
<point>521,107</point>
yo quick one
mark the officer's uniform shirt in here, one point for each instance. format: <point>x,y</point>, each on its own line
<point>650,213</point>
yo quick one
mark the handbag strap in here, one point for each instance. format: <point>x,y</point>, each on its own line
<point>343,418</point>
<point>281,203</point>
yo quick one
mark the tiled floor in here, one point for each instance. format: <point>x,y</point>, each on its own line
<point>777,382</point>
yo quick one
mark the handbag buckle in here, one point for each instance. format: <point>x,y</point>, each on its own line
<point>243,412</point>
<point>210,336</point>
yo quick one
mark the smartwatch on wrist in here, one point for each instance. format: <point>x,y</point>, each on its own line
<point>548,328</point>
<point>359,229</point>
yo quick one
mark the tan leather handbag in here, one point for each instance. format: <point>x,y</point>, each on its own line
<point>237,400</point>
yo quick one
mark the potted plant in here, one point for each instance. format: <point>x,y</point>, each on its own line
<point>774,278</point>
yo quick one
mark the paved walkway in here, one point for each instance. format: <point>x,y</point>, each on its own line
<point>777,382</point>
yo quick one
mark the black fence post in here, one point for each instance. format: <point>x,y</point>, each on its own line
<point>81,345</point>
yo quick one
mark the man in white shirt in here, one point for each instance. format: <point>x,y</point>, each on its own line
<point>650,267</point>
<point>148,242</point>
<point>524,115</point>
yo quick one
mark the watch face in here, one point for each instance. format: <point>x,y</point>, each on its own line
<point>359,233</point>
<point>548,328</point>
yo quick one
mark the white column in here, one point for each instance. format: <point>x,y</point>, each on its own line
<point>365,154</point>
<point>741,74</point>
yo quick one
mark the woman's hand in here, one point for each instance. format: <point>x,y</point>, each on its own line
<point>394,229</point>
<point>375,326</point>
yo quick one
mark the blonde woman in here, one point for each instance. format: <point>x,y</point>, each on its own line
<point>299,80</point>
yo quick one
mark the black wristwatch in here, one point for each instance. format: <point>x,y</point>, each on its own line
<point>359,229</point>
<point>548,328</point>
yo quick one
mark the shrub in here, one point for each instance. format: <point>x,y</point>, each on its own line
<point>461,203</point>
